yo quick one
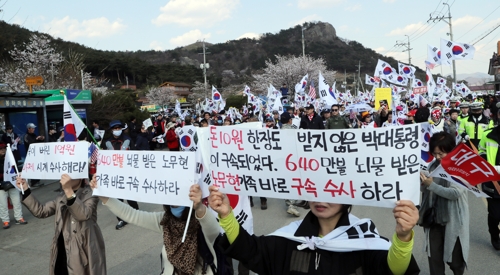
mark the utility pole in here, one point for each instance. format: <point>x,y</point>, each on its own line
<point>52,73</point>
<point>83,85</point>
<point>359,77</point>
<point>345,81</point>
<point>205,66</point>
<point>303,43</point>
<point>448,21</point>
<point>407,48</point>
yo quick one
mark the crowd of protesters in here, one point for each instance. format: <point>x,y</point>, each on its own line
<point>446,236</point>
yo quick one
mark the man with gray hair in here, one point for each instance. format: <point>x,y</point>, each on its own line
<point>30,138</point>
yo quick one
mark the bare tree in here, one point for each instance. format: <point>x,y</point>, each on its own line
<point>228,77</point>
<point>198,92</point>
<point>161,96</point>
<point>39,58</point>
<point>35,58</point>
<point>290,70</point>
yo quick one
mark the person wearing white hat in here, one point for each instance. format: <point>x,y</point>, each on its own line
<point>464,111</point>
<point>453,103</point>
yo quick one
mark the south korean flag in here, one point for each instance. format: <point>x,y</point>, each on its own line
<point>186,138</point>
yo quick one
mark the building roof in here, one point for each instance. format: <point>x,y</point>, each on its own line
<point>143,99</point>
<point>484,87</point>
<point>23,95</point>
<point>130,87</point>
<point>176,84</point>
<point>182,92</point>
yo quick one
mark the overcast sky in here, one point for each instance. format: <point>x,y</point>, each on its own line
<point>119,25</point>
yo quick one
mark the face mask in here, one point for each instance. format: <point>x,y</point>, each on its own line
<point>177,212</point>
<point>117,133</point>
<point>219,121</point>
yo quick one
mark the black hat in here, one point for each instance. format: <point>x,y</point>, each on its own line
<point>454,111</point>
<point>8,127</point>
<point>285,117</point>
<point>310,106</point>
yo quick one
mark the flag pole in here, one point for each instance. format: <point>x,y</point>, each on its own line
<point>11,156</point>
<point>86,128</point>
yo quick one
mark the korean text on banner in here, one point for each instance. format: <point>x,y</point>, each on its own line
<point>48,161</point>
<point>374,167</point>
<point>151,177</point>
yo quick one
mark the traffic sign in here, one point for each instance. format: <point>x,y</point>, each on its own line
<point>34,80</point>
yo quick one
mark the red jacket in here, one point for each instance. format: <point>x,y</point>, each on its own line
<point>172,140</point>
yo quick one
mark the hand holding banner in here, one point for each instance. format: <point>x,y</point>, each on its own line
<point>374,167</point>
<point>466,168</point>
<point>51,160</point>
<point>145,176</point>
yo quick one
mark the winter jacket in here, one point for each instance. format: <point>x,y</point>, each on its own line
<point>458,216</point>
<point>315,123</point>
<point>133,130</point>
<point>142,141</point>
<point>28,139</point>
<point>337,122</point>
<point>172,140</point>
<point>159,126</point>
<point>151,221</point>
<point>488,149</point>
<point>120,143</point>
<point>266,255</point>
<point>83,241</point>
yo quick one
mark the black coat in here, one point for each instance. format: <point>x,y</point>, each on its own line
<point>29,139</point>
<point>142,142</point>
<point>275,255</point>
<point>133,130</point>
<point>315,123</point>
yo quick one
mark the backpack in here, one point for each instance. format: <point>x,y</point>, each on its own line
<point>224,266</point>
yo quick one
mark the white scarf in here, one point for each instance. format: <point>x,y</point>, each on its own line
<point>338,240</point>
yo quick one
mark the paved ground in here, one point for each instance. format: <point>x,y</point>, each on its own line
<point>24,249</point>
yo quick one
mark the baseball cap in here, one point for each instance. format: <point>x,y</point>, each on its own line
<point>310,106</point>
<point>115,123</point>
<point>285,117</point>
<point>30,125</point>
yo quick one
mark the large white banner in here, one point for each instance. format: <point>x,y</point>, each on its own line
<point>50,160</point>
<point>374,167</point>
<point>146,176</point>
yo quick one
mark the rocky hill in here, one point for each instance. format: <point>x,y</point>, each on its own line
<point>244,56</point>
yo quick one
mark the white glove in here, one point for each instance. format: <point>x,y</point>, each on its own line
<point>497,167</point>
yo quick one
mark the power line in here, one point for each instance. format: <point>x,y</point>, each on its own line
<point>496,27</point>
<point>424,32</point>
<point>429,27</point>
<point>479,23</point>
<point>448,20</point>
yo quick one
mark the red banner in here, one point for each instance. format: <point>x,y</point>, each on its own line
<point>463,163</point>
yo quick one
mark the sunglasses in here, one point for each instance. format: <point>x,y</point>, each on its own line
<point>335,110</point>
